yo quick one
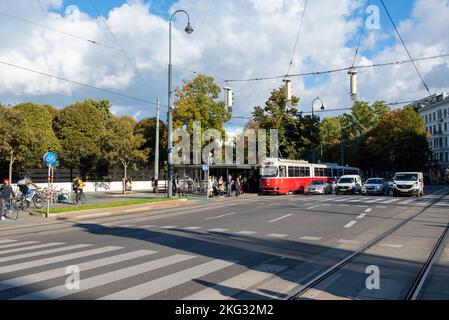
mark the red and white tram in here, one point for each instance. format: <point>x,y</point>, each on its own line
<point>278,176</point>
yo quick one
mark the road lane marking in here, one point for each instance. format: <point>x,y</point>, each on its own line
<point>61,272</point>
<point>407,201</point>
<point>223,215</point>
<point>381,207</point>
<point>348,241</point>
<point>148,226</point>
<point>387,245</point>
<point>103,279</point>
<point>217,230</point>
<point>18,244</point>
<point>343,205</point>
<point>350,224</point>
<point>7,241</point>
<point>234,285</point>
<point>342,199</point>
<point>277,235</point>
<point>313,207</point>
<point>368,210</point>
<point>169,227</point>
<point>43,252</point>
<point>191,228</point>
<point>248,233</point>
<point>389,201</point>
<point>363,215</point>
<point>31,247</point>
<point>155,286</point>
<point>51,260</point>
<point>311,238</point>
<point>286,216</point>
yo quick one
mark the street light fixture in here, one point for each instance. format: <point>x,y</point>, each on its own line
<point>188,30</point>
<point>313,132</point>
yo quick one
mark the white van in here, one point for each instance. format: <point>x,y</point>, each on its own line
<point>349,184</point>
<point>408,183</point>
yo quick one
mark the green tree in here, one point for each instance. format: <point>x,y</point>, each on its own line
<point>80,129</point>
<point>398,142</point>
<point>41,137</point>
<point>330,138</point>
<point>14,143</point>
<point>123,145</point>
<point>365,116</point>
<point>295,131</point>
<point>147,128</point>
<point>198,101</point>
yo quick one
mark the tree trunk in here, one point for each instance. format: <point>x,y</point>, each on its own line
<point>11,162</point>
<point>125,167</point>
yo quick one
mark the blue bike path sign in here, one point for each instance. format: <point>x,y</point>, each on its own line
<point>50,158</point>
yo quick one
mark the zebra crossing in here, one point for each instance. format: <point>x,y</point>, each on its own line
<point>41,273</point>
<point>375,200</point>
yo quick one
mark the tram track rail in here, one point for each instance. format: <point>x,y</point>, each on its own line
<point>420,280</point>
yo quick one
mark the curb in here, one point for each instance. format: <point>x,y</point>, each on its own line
<point>114,211</point>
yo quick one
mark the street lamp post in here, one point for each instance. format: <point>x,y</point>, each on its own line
<point>313,132</point>
<point>188,30</point>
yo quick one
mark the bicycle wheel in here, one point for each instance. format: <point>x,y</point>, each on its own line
<point>82,198</point>
<point>38,201</point>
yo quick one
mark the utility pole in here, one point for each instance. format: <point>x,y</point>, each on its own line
<point>156,151</point>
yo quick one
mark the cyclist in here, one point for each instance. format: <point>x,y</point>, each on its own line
<point>6,193</point>
<point>78,186</point>
<point>27,187</point>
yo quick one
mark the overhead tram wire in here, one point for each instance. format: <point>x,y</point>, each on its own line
<point>133,65</point>
<point>405,47</point>
<point>297,37</point>
<point>362,32</point>
<point>81,84</point>
<point>397,62</point>
<point>58,31</point>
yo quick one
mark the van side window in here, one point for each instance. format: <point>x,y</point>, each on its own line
<point>282,171</point>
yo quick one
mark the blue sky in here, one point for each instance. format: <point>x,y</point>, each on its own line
<point>232,39</point>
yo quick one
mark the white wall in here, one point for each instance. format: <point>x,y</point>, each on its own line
<point>104,186</point>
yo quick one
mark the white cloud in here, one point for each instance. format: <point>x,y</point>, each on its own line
<point>232,39</point>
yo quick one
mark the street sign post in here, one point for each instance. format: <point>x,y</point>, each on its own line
<point>50,159</point>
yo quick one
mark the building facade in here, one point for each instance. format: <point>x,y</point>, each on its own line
<point>434,110</point>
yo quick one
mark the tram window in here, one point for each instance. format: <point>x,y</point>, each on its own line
<point>329,173</point>
<point>291,172</point>
<point>305,172</point>
<point>282,171</point>
<point>269,172</point>
<point>320,172</point>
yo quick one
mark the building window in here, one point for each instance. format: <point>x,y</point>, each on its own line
<point>445,142</point>
<point>430,129</point>
<point>445,126</point>
<point>447,156</point>
<point>434,116</point>
<point>434,129</point>
<point>445,113</point>
<point>435,143</point>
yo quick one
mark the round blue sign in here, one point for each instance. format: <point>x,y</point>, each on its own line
<point>50,158</point>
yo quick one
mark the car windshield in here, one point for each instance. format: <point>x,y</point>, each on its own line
<point>374,181</point>
<point>346,180</point>
<point>317,183</point>
<point>268,172</point>
<point>406,177</point>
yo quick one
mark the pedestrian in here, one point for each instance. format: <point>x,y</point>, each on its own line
<point>221,187</point>
<point>229,186</point>
<point>241,185</point>
<point>237,186</point>
<point>211,186</point>
<point>6,193</point>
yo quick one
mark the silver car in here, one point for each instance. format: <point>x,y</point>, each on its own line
<point>317,187</point>
<point>376,186</point>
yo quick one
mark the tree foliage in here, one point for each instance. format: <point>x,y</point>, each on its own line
<point>198,101</point>
<point>147,128</point>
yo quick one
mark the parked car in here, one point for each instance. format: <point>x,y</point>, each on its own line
<point>318,187</point>
<point>376,186</point>
<point>351,184</point>
<point>408,183</point>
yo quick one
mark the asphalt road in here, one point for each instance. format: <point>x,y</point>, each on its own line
<point>263,247</point>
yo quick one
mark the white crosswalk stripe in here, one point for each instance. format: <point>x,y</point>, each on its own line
<point>56,259</point>
<point>43,252</point>
<point>106,278</point>
<point>232,286</point>
<point>18,244</point>
<point>59,272</point>
<point>39,246</point>
<point>7,241</point>
<point>152,287</point>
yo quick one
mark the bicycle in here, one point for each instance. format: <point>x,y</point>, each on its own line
<point>37,199</point>
<point>79,197</point>
<point>10,210</point>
